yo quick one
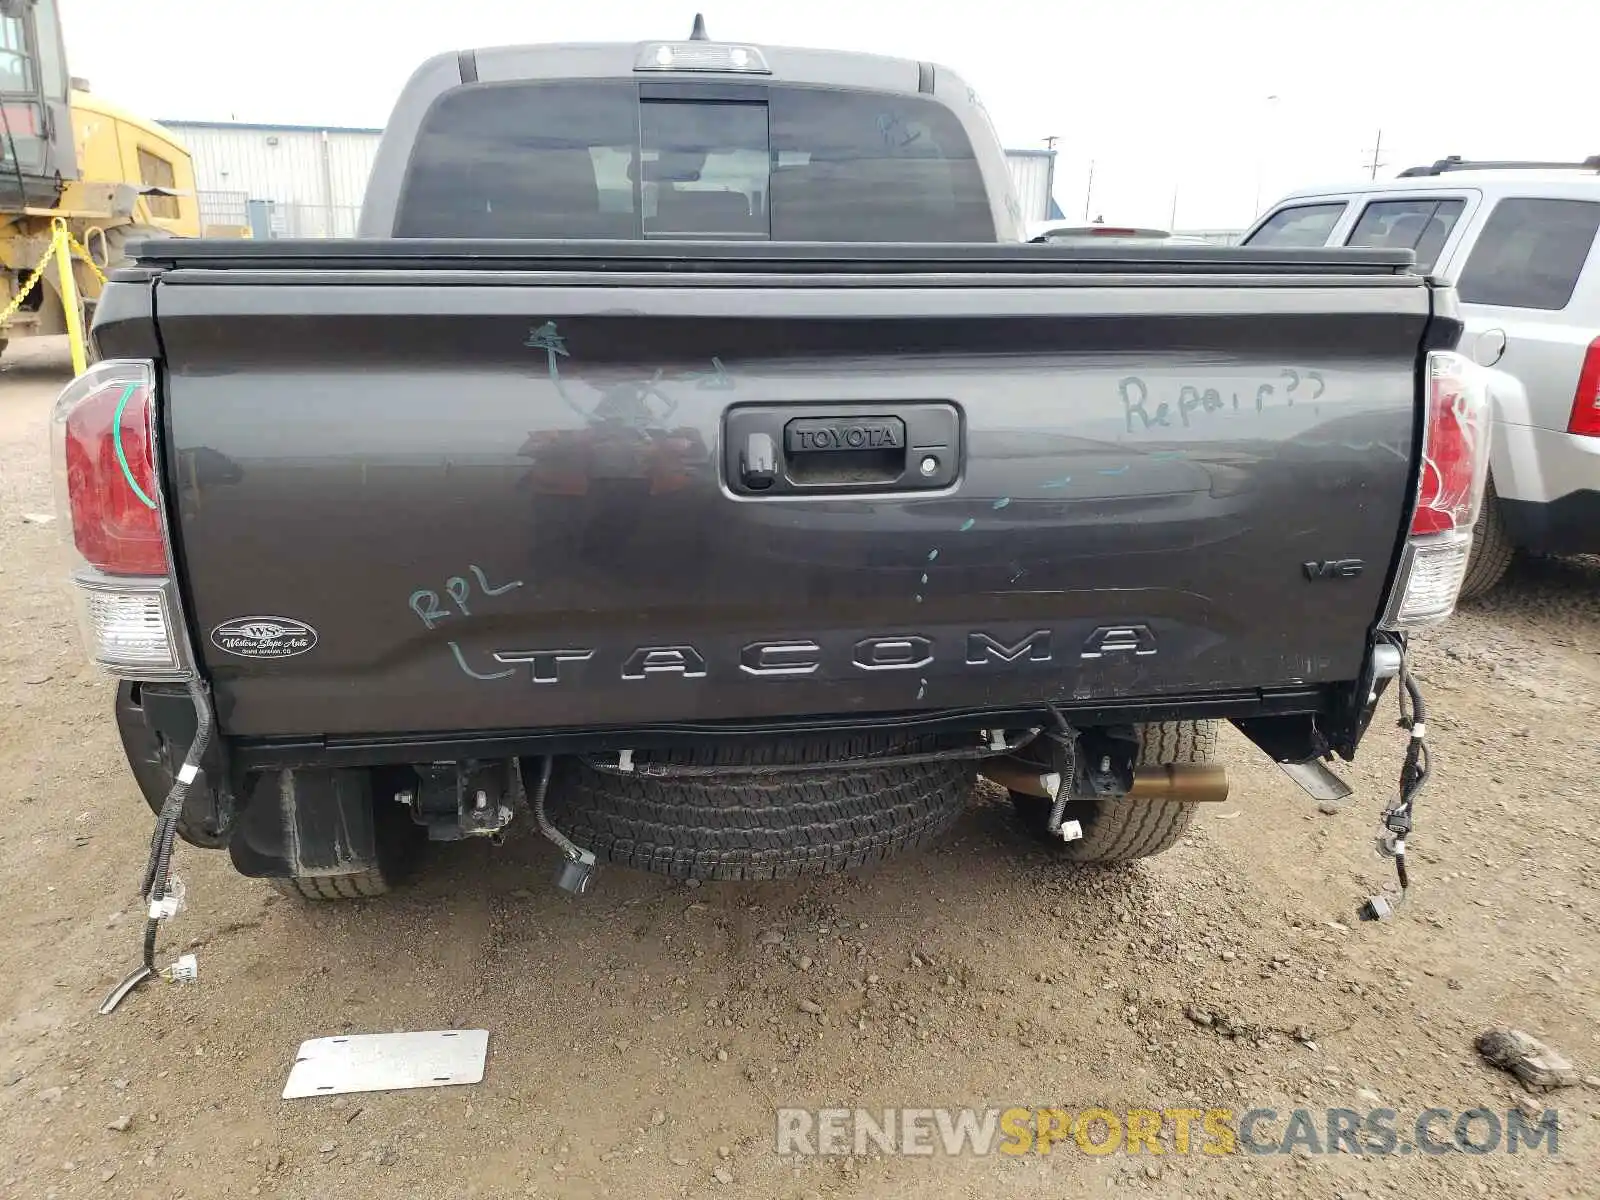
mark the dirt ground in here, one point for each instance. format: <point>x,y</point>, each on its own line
<point>642,1037</point>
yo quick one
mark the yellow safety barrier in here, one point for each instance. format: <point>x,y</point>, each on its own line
<point>61,249</point>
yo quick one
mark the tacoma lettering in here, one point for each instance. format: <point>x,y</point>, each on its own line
<point>664,660</point>
<point>780,658</point>
<point>893,653</point>
<point>784,658</point>
<point>981,648</point>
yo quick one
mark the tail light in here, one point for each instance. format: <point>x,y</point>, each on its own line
<point>1455,464</point>
<point>108,497</point>
<point>1585,417</point>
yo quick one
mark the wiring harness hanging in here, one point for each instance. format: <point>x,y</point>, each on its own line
<point>1414,772</point>
<point>161,890</point>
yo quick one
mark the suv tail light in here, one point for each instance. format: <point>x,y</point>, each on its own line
<point>1455,464</point>
<point>1585,417</point>
<point>103,441</point>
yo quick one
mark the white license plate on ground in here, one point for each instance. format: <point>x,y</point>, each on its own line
<point>383,1062</point>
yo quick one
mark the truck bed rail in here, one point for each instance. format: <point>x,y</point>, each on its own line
<point>974,263</point>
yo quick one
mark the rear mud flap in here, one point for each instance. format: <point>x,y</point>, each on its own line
<point>306,823</point>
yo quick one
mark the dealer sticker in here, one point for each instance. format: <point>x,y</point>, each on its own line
<point>264,637</point>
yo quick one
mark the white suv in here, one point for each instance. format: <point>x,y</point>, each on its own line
<point>1518,241</point>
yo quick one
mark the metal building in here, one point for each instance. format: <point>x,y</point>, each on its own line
<point>281,180</point>
<point>308,180</point>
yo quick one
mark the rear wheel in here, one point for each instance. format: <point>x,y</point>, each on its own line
<point>1119,831</point>
<point>771,826</point>
<point>1491,549</point>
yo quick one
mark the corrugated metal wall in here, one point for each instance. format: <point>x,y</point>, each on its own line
<point>315,178</point>
<point>1030,170</point>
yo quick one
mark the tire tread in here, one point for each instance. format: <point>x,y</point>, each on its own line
<point>1492,550</point>
<point>357,885</point>
<point>773,827</point>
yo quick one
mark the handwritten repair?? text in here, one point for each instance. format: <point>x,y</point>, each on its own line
<point>1141,415</point>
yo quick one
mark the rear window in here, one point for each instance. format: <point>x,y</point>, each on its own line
<point>600,160</point>
<point>1530,253</point>
<point>1299,227</point>
<point>1419,225</point>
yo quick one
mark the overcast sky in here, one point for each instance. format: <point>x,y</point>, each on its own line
<point>1164,96</point>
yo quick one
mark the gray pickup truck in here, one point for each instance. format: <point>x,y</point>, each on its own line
<point>691,462</point>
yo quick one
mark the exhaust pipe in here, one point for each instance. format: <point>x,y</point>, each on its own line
<point>1017,776</point>
<point>1187,783</point>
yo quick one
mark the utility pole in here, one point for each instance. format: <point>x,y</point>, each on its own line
<point>1050,205</point>
<point>1377,149</point>
<point>1088,191</point>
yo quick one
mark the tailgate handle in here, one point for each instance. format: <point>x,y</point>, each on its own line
<point>778,450</point>
<point>818,451</point>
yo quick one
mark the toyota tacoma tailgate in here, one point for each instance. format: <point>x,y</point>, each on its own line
<point>501,488</point>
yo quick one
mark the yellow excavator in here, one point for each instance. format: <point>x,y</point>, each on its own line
<point>110,176</point>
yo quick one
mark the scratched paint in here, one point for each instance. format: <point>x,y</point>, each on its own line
<point>968,524</point>
<point>1122,470</point>
<point>1057,483</point>
<point>1003,502</point>
<point>716,381</point>
<point>547,338</point>
<point>425,601</point>
<point>922,685</point>
<point>462,663</point>
<point>483,583</point>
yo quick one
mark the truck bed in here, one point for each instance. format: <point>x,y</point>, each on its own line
<point>501,486</point>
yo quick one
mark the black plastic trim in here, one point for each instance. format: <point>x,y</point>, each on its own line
<point>1286,739</point>
<point>157,723</point>
<point>700,89</point>
<point>690,256</point>
<point>1455,162</point>
<point>250,754</point>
